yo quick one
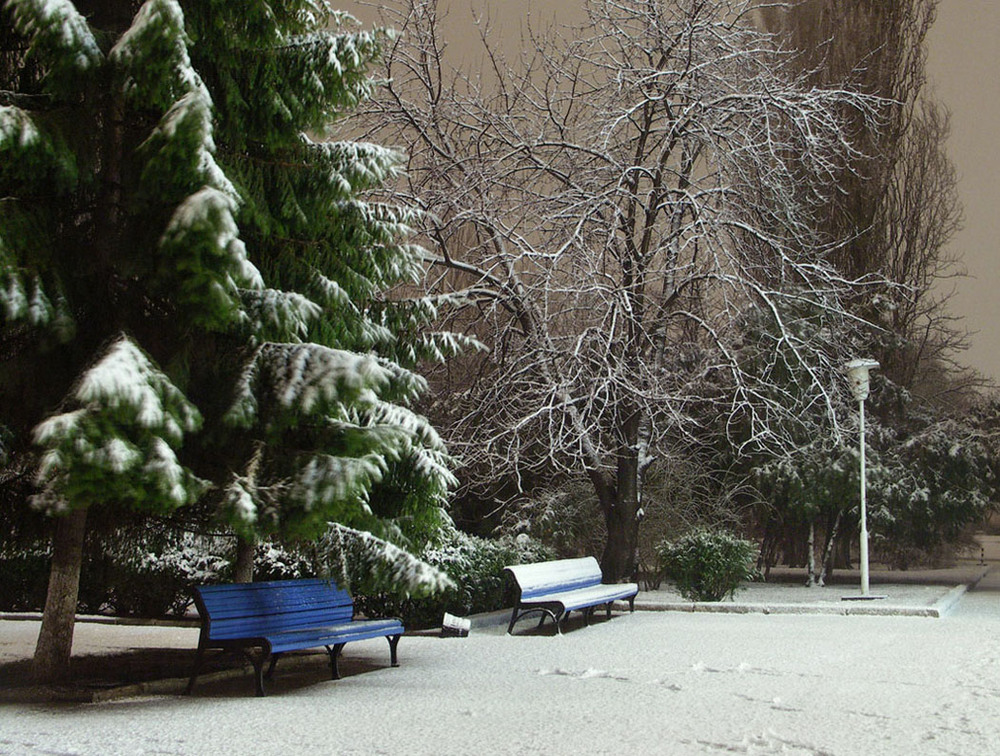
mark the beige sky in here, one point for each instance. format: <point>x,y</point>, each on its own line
<point>964,66</point>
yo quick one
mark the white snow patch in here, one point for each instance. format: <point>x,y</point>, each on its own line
<point>16,126</point>
<point>126,377</point>
<point>62,24</point>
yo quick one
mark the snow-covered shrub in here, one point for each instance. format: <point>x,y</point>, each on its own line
<point>274,561</point>
<point>154,582</point>
<point>708,565</point>
<point>475,566</point>
<point>567,518</point>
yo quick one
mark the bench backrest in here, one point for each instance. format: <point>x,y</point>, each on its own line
<point>241,610</point>
<point>560,575</point>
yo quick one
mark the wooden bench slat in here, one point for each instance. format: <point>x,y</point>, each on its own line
<point>288,614</point>
<point>330,636</point>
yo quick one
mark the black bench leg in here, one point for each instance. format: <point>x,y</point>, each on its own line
<point>194,673</point>
<point>270,667</point>
<point>334,652</point>
<point>258,670</point>
<point>609,608</point>
<point>393,642</point>
<point>513,619</point>
<point>631,604</point>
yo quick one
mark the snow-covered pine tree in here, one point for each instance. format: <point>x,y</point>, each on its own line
<point>192,291</point>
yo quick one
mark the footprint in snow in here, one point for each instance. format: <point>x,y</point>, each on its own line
<point>587,674</point>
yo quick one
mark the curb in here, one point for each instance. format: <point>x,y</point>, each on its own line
<point>835,609</point>
<point>941,608</point>
<point>951,599</point>
<point>103,619</point>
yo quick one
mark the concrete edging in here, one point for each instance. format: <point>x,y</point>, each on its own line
<point>941,608</point>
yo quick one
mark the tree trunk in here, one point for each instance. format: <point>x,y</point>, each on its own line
<point>619,559</point>
<point>811,555</point>
<point>243,569</point>
<point>55,638</point>
<point>621,516</point>
<point>831,538</point>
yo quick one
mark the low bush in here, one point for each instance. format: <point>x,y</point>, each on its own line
<point>155,584</point>
<point>121,574</point>
<point>273,561</point>
<point>151,574</point>
<point>708,565</point>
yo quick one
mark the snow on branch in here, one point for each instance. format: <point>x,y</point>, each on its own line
<point>17,129</point>
<point>119,442</point>
<point>153,55</point>
<point>304,379</point>
<point>355,166</point>
<point>184,135</point>
<point>202,237</point>
<point>125,379</point>
<point>56,28</point>
<point>279,315</point>
<point>381,562</point>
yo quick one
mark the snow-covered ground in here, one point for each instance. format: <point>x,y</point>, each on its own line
<point>647,683</point>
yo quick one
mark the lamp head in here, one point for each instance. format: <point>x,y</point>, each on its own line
<point>857,375</point>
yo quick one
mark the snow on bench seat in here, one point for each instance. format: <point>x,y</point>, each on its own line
<point>556,588</point>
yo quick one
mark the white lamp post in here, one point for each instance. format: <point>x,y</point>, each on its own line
<point>857,374</point>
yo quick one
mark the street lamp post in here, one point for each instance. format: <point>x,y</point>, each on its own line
<point>857,374</point>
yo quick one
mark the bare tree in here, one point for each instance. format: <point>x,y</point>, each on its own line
<point>897,210</point>
<point>613,205</point>
<point>899,205</point>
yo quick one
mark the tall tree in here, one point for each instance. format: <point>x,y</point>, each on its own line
<point>897,209</point>
<point>193,291</point>
<point>613,203</point>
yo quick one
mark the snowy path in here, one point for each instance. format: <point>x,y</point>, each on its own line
<point>982,601</point>
<point>648,683</point>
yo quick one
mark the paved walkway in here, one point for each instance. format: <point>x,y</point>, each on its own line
<point>982,601</point>
<point>967,591</point>
<point>655,682</point>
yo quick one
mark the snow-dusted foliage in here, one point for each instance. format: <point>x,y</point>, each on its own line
<point>16,128</point>
<point>201,244</point>
<point>305,379</point>
<point>359,561</point>
<point>28,155</point>
<point>120,440</point>
<point>468,571</point>
<point>60,38</point>
<point>153,58</point>
<point>708,565</point>
<point>928,479</point>
<point>178,263</point>
<point>357,437</point>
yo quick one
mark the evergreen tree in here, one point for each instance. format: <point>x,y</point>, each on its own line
<point>192,290</point>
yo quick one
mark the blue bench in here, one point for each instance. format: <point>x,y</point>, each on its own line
<point>280,616</point>
<point>557,588</point>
